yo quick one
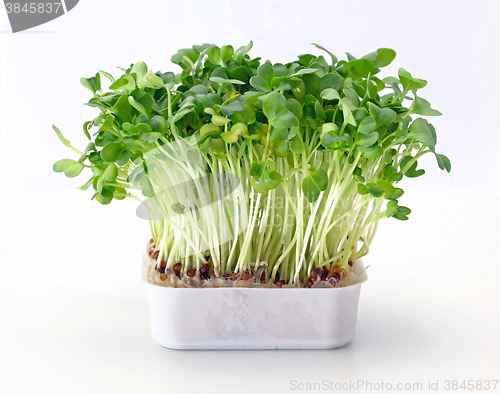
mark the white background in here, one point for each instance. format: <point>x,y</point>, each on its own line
<point>73,312</point>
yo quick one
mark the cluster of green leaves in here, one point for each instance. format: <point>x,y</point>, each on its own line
<point>270,111</point>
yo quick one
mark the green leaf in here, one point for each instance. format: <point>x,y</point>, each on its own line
<point>385,186</point>
<point>294,107</point>
<point>375,153</point>
<point>191,53</point>
<point>334,58</point>
<point>382,57</point>
<point>180,114</point>
<point>374,189</point>
<point>359,68</point>
<point>126,82</point>
<point>275,109</point>
<point>362,189</point>
<point>330,94</point>
<point>214,56</point>
<point>284,120</point>
<point>241,149</point>
<point>330,80</point>
<point>382,116</point>
<point>226,80</point>
<point>209,129</point>
<point>422,107</point>
<point>229,137</point>
<point>368,139</point>
<point>232,106</point>
<point>122,109</point>
<point>61,137</point>
<point>155,80</point>
<point>312,85</point>
<point>264,179</point>
<point>303,72</point>
<point>147,187</point>
<point>86,127</point>
<point>311,191</point>
<point>392,208</point>
<point>109,174</point>
<point>367,125</point>
<point>420,132</point>
<point>62,165</point>
<point>140,70</point>
<point>73,170</point>
<point>219,120</point>
<point>314,184</point>
<point>107,75</point>
<point>263,80</point>
<point>296,146</point>
<point>226,52</point>
<point>278,135</point>
<point>414,174</point>
<point>138,106</point>
<point>105,197</point>
<point>241,52</point>
<point>90,84</point>
<point>348,117</point>
<point>320,178</point>
<point>111,152</point>
<point>151,137</point>
<point>408,82</point>
<point>443,162</point>
<point>283,147</point>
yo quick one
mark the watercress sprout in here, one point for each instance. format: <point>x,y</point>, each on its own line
<point>316,147</point>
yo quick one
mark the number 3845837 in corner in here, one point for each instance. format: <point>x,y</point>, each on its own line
<point>33,8</point>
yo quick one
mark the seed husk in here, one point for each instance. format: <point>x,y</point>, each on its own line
<point>280,282</point>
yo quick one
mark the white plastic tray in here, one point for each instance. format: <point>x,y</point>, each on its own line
<point>253,318</point>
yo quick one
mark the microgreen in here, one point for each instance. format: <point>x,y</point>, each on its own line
<point>318,145</point>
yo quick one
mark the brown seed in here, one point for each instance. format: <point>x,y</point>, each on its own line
<point>234,276</point>
<point>280,282</point>
<point>337,270</point>
<point>314,275</point>
<point>204,275</point>
<point>155,254</point>
<point>163,277</point>
<point>204,268</point>
<point>177,268</point>
<point>212,275</point>
<point>151,241</point>
<point>191,273</point>
<point>324,273</point>
<point>307,285</point>
<point>350,263</point>
<point>245,276</point>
